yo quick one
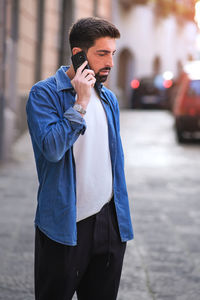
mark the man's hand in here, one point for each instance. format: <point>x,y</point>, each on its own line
<point>82,82</point>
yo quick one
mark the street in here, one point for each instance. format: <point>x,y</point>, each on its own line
<point>163,261</point>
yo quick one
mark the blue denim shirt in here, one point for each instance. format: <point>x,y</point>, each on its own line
<point>54,127</point>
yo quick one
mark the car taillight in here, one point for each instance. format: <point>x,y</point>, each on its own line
<point>167,83</point>
<point>192,111</point>
<point>135,84</point>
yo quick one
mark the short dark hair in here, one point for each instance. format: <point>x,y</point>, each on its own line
<point>86,31</point>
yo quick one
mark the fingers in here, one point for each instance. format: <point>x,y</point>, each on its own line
<point>86,72</point>
<point>90,77</point>
<point>85,75</point>
<point>84,79</point>
<point>82,70</point>
<point>92,82</point>
<point>82,82</point>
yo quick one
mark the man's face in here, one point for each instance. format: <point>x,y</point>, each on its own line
<point>100,57</point>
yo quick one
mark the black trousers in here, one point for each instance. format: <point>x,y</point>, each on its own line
<point>92,269</point>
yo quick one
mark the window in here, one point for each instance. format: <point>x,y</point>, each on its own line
<point>194,88</point>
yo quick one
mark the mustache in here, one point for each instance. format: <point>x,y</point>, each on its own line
<point>105,69</point>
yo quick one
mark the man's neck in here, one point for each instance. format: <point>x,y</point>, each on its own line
<point>70,72</point>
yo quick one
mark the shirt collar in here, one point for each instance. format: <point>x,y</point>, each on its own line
<point>62,79</point>
<point>103,94</point>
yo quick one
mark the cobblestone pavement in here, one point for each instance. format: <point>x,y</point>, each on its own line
<point>17,205</point>
<point>163,261</point>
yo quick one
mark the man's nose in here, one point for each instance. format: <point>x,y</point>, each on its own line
<point>110,62</point>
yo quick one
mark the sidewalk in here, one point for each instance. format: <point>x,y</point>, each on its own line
<point>163,262</point>
<point>18,188</point>
<point>17,205</point>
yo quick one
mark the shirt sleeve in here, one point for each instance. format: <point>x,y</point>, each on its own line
<point>74,118</point>
<point>53,134</point>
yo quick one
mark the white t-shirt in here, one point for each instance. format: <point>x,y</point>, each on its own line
<point>94,184</point>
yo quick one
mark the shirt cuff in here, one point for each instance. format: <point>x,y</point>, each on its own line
<point>77,121</point>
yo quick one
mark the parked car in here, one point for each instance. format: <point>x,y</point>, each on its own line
<point>151,92</point>
<point>186,107</point>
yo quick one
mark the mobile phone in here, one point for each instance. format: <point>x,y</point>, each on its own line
<point>78,59</point>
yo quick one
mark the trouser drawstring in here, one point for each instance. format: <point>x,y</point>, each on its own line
<point>109,233</point>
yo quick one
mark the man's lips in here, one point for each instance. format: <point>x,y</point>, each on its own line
<point>105,71</point>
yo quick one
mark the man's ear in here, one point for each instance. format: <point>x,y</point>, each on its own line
<point>76,50</point>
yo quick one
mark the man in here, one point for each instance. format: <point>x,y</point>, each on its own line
<point>82,218</point>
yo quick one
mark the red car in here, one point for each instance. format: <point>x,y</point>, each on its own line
<point>186,106</point>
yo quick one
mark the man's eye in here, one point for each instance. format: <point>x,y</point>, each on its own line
<point>101,54</point>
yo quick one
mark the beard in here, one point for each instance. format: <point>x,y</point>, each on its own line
<point>102,78</point>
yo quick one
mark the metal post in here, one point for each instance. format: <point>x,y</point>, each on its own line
<point>40,37</point>
<point>95,8</point>
<point>3,71</point>
<point>67,17</point>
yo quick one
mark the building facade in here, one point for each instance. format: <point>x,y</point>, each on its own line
<point>156,36</point>
<point>33,44</point>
